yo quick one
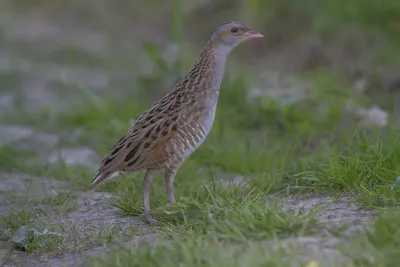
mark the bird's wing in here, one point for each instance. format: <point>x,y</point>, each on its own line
<point>145,144</point>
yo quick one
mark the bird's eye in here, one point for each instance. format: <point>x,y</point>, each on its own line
<point>234,30</point>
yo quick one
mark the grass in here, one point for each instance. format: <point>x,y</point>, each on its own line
<point>377,247</point>
<point>13,159</point>
<point>196,251</point>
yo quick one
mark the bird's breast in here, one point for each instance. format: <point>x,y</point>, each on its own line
<point>192,133</point>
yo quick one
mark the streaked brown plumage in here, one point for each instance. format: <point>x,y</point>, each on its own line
<point>166,134</point>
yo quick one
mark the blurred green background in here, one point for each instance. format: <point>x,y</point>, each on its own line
<point>323,70</point>
<point>101,43</point>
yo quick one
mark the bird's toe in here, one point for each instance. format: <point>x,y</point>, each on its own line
<point>150,220</point>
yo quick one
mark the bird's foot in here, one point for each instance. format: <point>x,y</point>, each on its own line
<point>149,219</point>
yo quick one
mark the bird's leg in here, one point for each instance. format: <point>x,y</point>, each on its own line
<point>169,179</point>
<point>148,177</point>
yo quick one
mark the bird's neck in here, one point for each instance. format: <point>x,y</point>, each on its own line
<point>218,62</point>
<point>211,64</point>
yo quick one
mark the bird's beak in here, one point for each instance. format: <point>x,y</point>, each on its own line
<point>253,34</point>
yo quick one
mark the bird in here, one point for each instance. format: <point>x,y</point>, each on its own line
<point>170,130</point>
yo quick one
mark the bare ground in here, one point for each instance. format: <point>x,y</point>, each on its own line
<point>92,214</point>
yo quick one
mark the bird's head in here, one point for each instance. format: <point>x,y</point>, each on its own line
<point>233,33</point>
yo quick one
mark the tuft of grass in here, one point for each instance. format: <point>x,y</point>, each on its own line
<point>12,159</point>
<point>196,251</point>
<point>366,166</point>
<point>24,161</point>
<point>61,203</point>
<point>16,219</point>
<point>59,199</point>
<point>379,245</point>
<point>22,229</point>
<point>230,213</point>
<point>78,176</point>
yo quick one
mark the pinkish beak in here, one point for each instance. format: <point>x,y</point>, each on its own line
<point>253,34</point>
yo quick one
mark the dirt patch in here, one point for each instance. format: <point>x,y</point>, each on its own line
<point>95,211</point>
<point>335,211</point>
<point>326,248</point>
<point>75,155</point>
<point>92,215</point>
<point>26,138</point>
<point>17,258</point>
<point>16,189</point>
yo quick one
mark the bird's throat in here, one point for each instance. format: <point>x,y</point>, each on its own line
<point>211,64</point>
<point>218,65</point>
